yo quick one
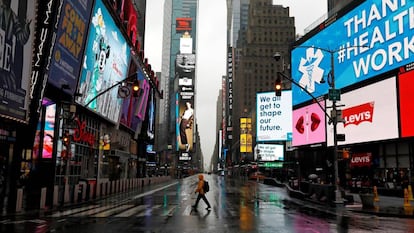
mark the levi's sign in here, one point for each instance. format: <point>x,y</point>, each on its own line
<point>361,160</point>
<point>357,114</point>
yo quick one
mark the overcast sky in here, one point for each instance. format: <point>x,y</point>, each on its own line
<point>211,53</point>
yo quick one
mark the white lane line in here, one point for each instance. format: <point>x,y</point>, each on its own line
<point>154,191</point>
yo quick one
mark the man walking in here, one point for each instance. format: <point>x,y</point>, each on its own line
<point>201,193</point>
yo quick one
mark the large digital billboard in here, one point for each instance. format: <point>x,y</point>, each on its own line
<point>309,124</point>
<point>406,90</point>
<point>369,114</point>
<point>375,37</point>
<point>274,116</point>
<point>185,124</point>
<point>70,43</point>
<point>105,63</point>
<point>17,27</point>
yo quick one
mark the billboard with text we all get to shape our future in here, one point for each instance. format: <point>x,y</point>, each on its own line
<point>274,116</point>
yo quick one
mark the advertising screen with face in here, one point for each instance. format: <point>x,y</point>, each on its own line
<point>369,114</point>
<point>105,63</point>
<point>309,125</point>
<point>375,37</point>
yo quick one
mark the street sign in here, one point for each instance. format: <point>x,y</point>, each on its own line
<point>340,137</point>
<point>334,94</point>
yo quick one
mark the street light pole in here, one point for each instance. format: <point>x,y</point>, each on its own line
<point>334,118</point>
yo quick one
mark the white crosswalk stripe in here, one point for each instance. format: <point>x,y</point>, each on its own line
<point>112,211</point>
<point>72,211</point>
<point>128,210</point>
<point>131,211</point>
<point>94,211</point>
<point>148,211</point>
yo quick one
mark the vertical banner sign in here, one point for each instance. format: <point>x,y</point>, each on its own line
<point>229,104</point>
<point>16,39</point>
<point>45,37</point>
<point>70,43</point>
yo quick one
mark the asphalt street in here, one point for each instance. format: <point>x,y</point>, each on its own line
<point>238,206</point>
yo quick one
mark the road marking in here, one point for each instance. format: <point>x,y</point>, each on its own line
<point>148,211</point>
<point>112,211</point>
<point>93,211</point>
<point>187,211</point>
<point>72,211</point>
<point>169,211</point>
<point>131,211</point>
<point>154,191</point>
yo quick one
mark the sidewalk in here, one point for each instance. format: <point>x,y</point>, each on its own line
<point>124,194</point>
<point>386,207</point>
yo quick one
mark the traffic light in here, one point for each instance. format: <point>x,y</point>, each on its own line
<point>135,88</point>
<point>278,87</point>
<point>66,139</point>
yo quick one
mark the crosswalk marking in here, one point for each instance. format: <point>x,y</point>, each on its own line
<point>94,211</point>
<point>131,211</point>
<point>72,211</point>
<point>148,211</point>
<point>112,211</point>
<point>169,211</point>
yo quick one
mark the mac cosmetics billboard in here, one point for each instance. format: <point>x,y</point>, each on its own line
<point>369,114</point>
<point>309,125</point>
<point>105,63</point>
<point>274,116</point>
<point>375,37</point>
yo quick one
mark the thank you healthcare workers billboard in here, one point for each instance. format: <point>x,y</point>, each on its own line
<point>375,37</point>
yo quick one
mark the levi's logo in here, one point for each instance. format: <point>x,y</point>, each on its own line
<point>357,114</point>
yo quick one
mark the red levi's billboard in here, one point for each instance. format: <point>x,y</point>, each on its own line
<point>361,160</point>
<point>369,114</point>
<point>406,87</point>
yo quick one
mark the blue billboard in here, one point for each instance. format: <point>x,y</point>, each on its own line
<point>105,63</point>
<point>375,37</point>
<point>70,43</point>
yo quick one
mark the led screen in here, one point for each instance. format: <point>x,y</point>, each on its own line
<point>309,125</point>
<point>369,114</point>
<point>372,39</point>
<point>106,61</point>
<point>269,152</point>
<point>274,116</point>
<point>406,90</point>
<point>70,42</point>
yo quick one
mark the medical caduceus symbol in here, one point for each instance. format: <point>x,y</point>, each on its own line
<point>310,69</point>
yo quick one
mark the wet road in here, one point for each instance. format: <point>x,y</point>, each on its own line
<point>238,206</point>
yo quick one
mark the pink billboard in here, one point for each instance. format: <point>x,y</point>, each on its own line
<point>309,125</point>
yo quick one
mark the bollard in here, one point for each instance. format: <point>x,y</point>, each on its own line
<point>376,197</point>
<point>410,193</point>
<point>406,201</point>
